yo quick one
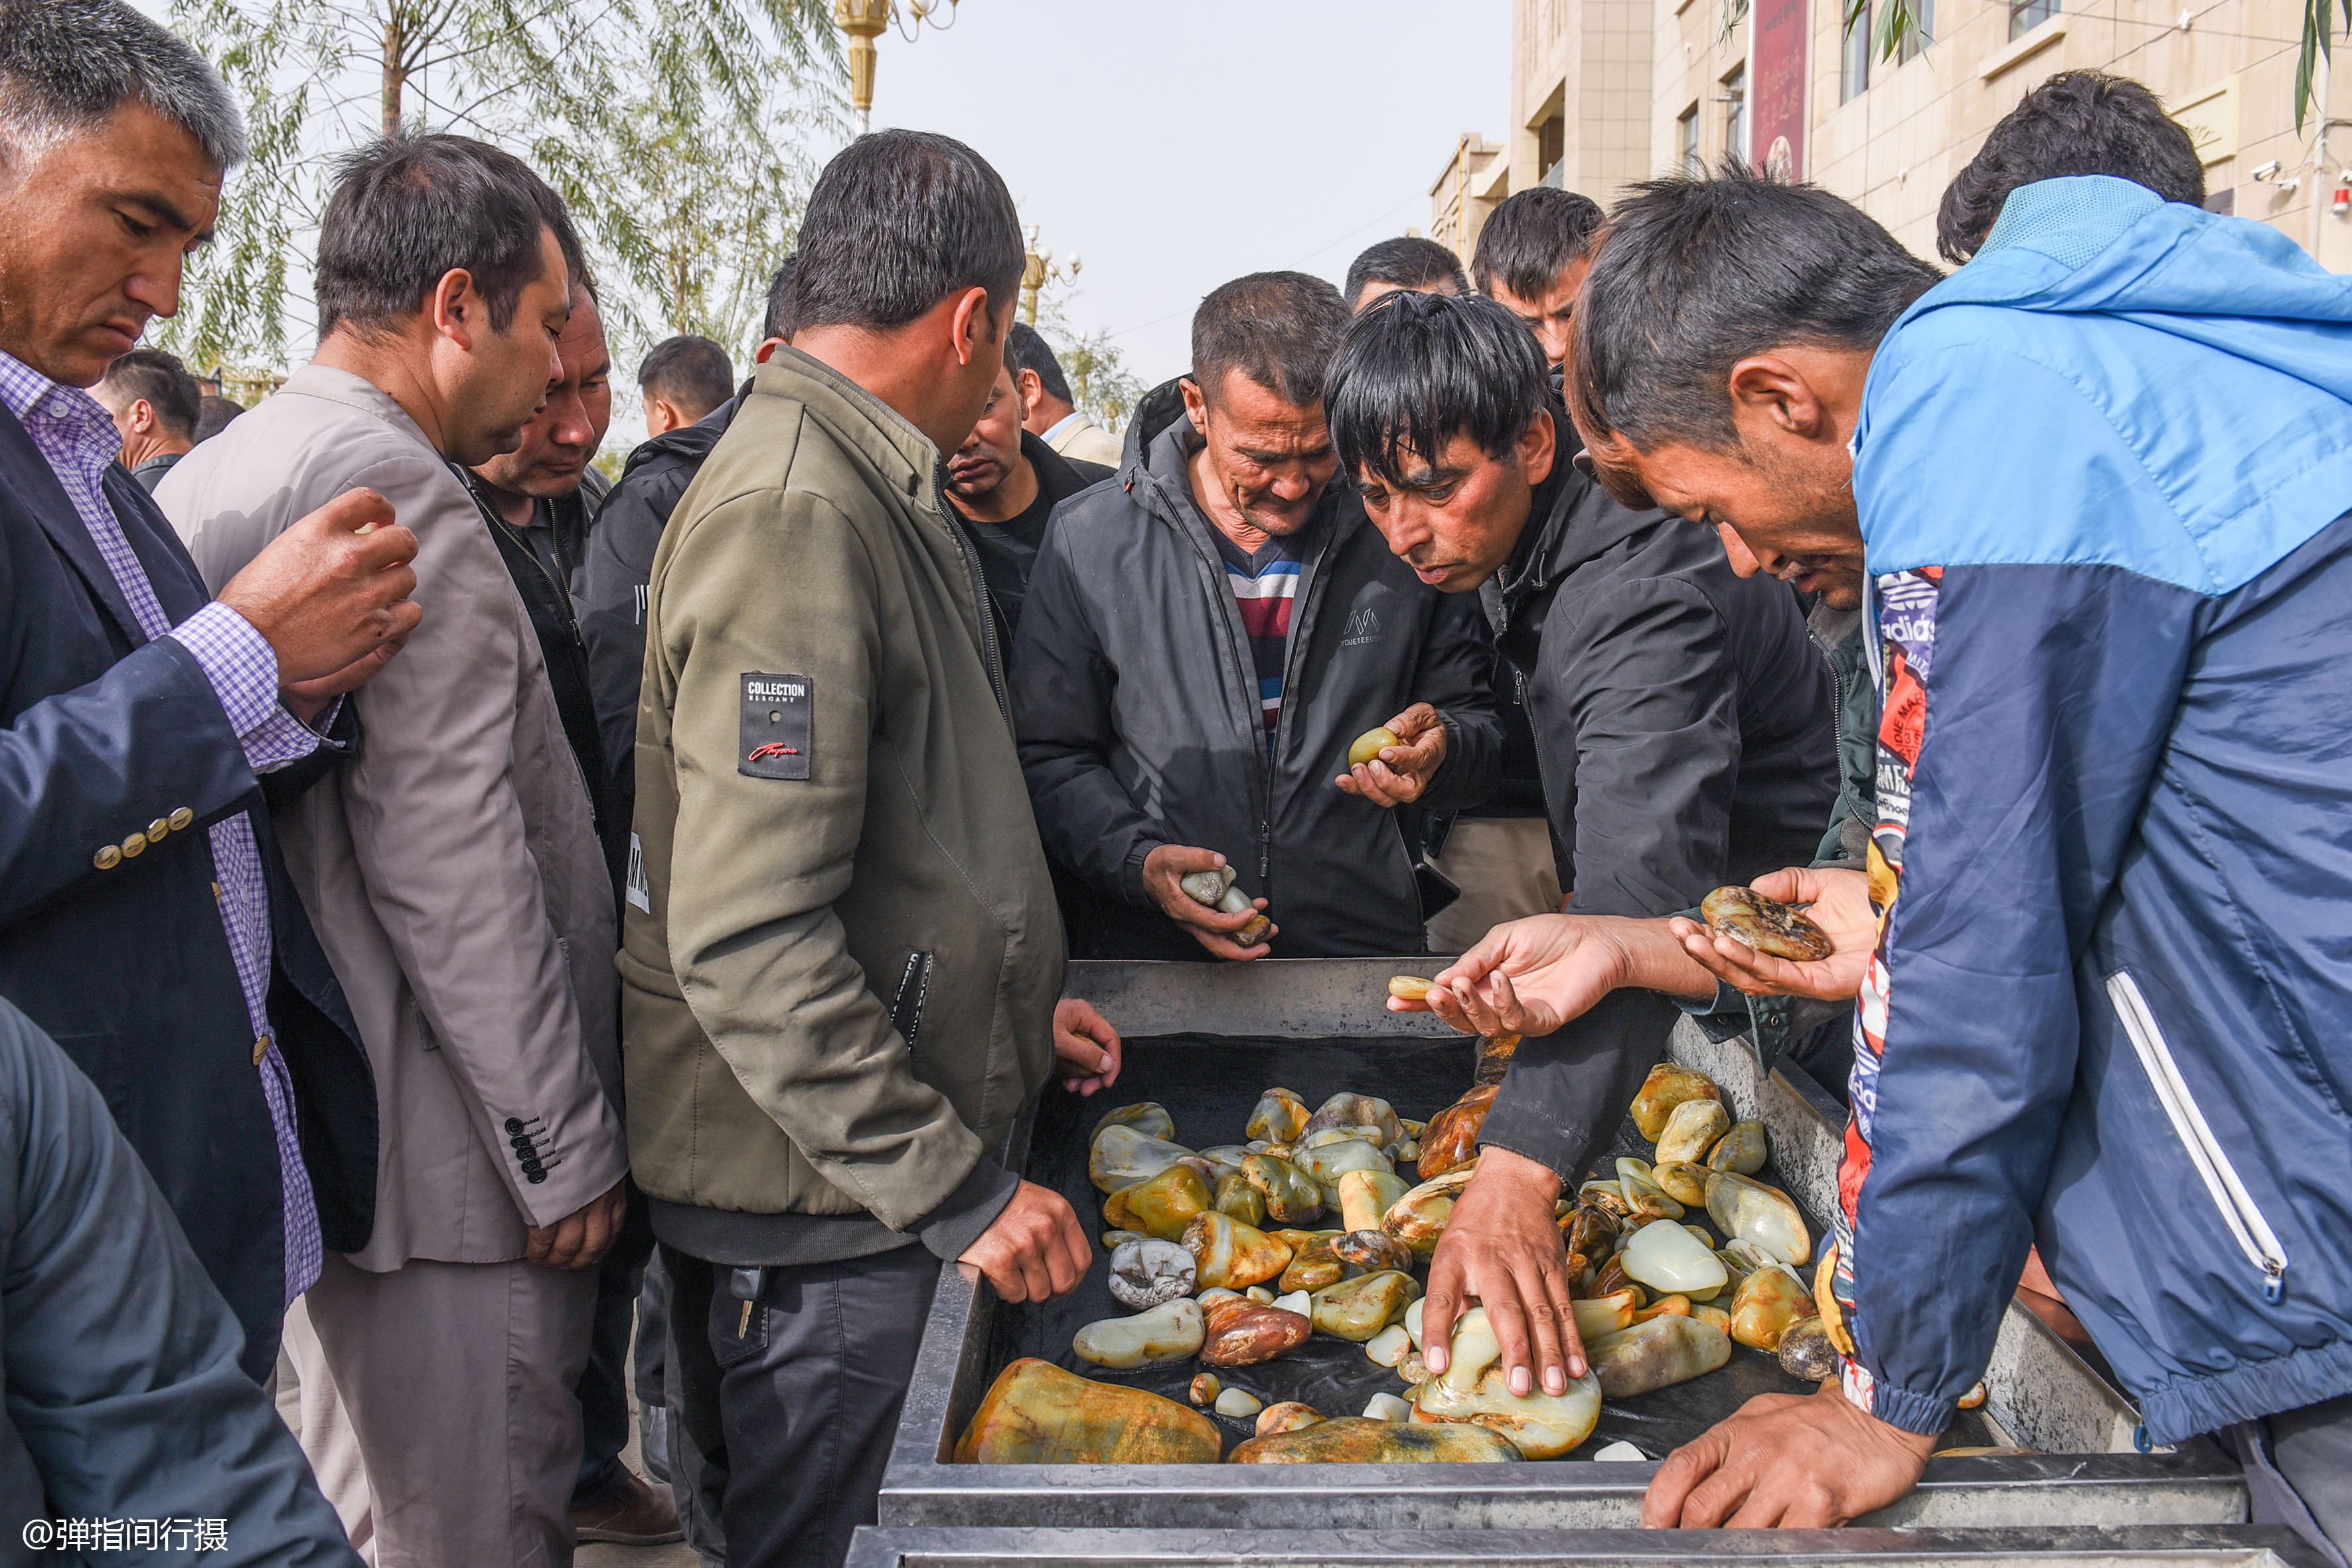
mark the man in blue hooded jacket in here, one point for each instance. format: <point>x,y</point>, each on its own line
<point>2105,987</point>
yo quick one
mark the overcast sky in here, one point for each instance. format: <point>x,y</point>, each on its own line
<point>1175,146</point>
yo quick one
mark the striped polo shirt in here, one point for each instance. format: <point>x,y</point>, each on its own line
<point>1264,584</point>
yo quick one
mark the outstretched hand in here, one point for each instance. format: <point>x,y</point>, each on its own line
<point>1502,1250</point>
<point>1087,1050</point>
<point>1399,774</point>
<point>1839,903</point>
<point>1532,976</point>
<point>1795,1460</point>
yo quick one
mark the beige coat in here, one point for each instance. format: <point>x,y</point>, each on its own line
<point>452,869</point>
<point>841,965</point>
<point>1087,442</point>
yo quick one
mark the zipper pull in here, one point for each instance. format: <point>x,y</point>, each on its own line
<point>2273,1282</point>
<point>2140,1441</point>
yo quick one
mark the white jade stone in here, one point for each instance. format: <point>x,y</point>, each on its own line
<point>1388,1407</point>
<point>1669,1257</point>
<point>1298,1301</point>
<point>1412,1324</point>
<point>1620,1451</point>
<point>1390,1346</point>
<point>1233,1402</point>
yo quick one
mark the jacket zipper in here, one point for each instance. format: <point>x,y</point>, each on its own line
<point>2255,1235</point>
<point>988,650</point>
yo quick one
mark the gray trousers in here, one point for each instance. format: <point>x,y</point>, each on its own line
<point>437,1407</point>
<point>786,1410</point>
<point>2299,1472</point>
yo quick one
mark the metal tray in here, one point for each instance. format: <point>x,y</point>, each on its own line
<point>1327,1016</point>
<point>2205,1546</point>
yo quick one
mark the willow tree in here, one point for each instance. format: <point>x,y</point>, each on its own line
<point>646,115</point>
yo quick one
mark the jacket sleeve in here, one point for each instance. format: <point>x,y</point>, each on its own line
<point>437,829</point>
<point>757,864</point>
<point>1062,688</point>
<point>1457,677</point>
<point>2026,712</point>
<point>612,576</point>
<point>86,768</point>
<point>139,1411</point>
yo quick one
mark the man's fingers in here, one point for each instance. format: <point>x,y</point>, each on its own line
<point>351,511</point>
<point>1438,1310</point>
<point>1508,1317</point>
<point>383,548</point>
<point>1543,1327</point>
<point>1784,887</point>
<point>1685,1468</point>
<point>1713,1500</point>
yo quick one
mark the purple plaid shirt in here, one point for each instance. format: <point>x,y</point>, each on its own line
<point>78,440</point>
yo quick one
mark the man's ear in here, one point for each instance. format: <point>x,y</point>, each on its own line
<point>1538,448</point>
<point>975,329</point>
<point>456,310</point>
<point>142,415</point>
<point>1032,387</point>
<point>1770,387</point>
<point>1196,407</point>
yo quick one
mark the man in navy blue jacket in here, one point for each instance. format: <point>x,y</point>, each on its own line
<point>2104,989</point>
<point>145,919</point>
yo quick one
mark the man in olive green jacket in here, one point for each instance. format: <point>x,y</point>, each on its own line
<point>843,954</point>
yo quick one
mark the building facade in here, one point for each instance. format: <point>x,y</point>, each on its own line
<point>1605,92</point>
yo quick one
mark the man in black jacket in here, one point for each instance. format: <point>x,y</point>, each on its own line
<point>1004,483</point>
<point>611,582</point>
<point>1204,638</point>
<point>1683,720</point>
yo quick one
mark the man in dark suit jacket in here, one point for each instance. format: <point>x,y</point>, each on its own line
<point>145,918</point>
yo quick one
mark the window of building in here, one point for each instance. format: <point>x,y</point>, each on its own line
<point>1854,64</point>
<point>1735,112</point>
<point>1923,30</point>
<point>2024,15</point>
<point>1688,159</point>
<point>1551,142</point>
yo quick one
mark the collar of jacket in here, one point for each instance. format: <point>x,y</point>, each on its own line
<point>693,440</point>
<point>333,385</point>
<point>1570,520</point>
<point>901,455</point>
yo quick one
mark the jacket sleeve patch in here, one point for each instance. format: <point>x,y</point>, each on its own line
<point>776,726</point>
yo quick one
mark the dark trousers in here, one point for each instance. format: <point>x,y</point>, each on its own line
<point>2299,1473</point>
<point>799,1398</point>
<point>604,1390</point>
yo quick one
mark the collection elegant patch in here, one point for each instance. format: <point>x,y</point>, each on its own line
<point>776,726</point>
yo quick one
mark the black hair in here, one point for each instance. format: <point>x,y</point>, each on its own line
<point>164,383</point>
<point>1531,237</point>
<point>1416,370</point>
<point>214,415</point>
<point>1278,329</point>
<point>407,209</point>
<point>66,66</point>
<point>1697,274</point>
<point>1027,349</point>
<point>778,322</point>
<point>898,221</point>
<point>1411,262</point>
<point>2077,122</point>
<point>692,372</point>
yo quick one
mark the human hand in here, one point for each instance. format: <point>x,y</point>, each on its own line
<point>1036,1248</point>
<point>1401,772</point>
<point>579,1240</point>
<point>1168,865</point>
<point>1840,905</point>
<point>1531,976</point>
<point>1502,1249</point>
<point>1796,1460</point>
<point>307,699</point>
<point>330,590</point>
<point>1087,1051</point>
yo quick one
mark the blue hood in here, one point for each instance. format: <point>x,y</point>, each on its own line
<point>2161,320</point>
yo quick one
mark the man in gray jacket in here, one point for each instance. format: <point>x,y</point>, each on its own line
<point>453,871</point>
<point>1205,637</point>
<point>843,954</point>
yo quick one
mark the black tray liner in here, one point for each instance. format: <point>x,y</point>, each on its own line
<point>1210,1083</point>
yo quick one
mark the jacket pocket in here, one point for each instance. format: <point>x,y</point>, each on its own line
<point>906,1002</point>
<point>2252,1232</point>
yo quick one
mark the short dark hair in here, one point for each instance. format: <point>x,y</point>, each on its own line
<point>1416,370</point>
<point>214,416</point>
<point>1531,237</point>
<point>2077,122</point>
<point>164,381</point>
<point>1698,274</point>
<point>689,370</point>
<point>66,66</point>
<point>1027,349</point>
<point>778,322</point>
<point>1410,262</point>
<point>1278,329</point>
<point>407,209</point>
<point>898,221</point>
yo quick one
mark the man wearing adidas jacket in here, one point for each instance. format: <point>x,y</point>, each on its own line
<point>2105,994</point>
